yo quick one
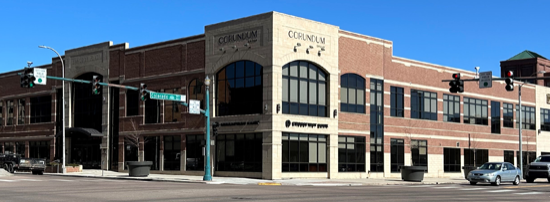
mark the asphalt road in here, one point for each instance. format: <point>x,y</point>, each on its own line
<point>26,187</point>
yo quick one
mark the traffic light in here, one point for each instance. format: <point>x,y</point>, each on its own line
<point>457,85</point>
<point>143,92</point>
<point>95,85</point>
<point>215,128</point>
<point>27,78</point>
<point>509,81</point>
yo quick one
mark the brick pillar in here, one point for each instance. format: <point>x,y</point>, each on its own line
<point>27,150</point>
<point>141,156</point>
<point>161,152</point>
<point>52,149</point>
<point>183,154</point>
<point>121,150</point>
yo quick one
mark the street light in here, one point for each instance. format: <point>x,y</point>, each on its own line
<point>63,95</point>
<point>520,125</point>
<point>207,173</point>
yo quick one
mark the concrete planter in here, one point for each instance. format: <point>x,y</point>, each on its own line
<point>413,173</point>
<point>139,169</point>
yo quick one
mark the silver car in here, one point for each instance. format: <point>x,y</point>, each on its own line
<point>495,173</point>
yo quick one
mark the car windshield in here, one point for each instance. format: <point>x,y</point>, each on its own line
<point>490,166</point>
<point>543,159</point>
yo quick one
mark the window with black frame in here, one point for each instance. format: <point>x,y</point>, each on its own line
<point>376,125</point>
<point>239,89</point>
<point>451,160</point>
<point>397,108</point>
<point>475,111</point>
<point>507,115</point>
<point>132,102</point>
<point>1,113</point>
<point>304,89</point>
<point>351,154</point>
<point>397,149</point>
<point>20,149</point>
<point>171,108</point>
<point>11,115</point>
<point>352,93</point>
<point>451,108</point>
<point>495,117</point>
<point>196,91</point>
<point>419,153</point>
<point>304,153</point>
<point>509,157</point>
<point>172,151</point>
<point>544,119</point>
<point>39,149</point>
<point>475,157</point>
<point>423,105</point>
<point>527,117</point>
<point>41,109</point>
<point>21,111</point>
<point>528,157</point>
<point>9,148</point>
<point>193,148</point>
<point>152,111</point>
<point>239,152</point>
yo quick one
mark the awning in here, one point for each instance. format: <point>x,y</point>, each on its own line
<point>76,131</point>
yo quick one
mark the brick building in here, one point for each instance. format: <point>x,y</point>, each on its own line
<point>293,98</point>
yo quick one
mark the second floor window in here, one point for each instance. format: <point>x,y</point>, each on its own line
<point>152,111</point>
<point>132,102</point>
<point>11,113</point>
<point>172,109</point>
<point>423,105</point>
<point>397,106</point>
<point>352,93</point>
<point>527,117</point>
<point>41,109</point>
<point>545,119</point>
<point>304,89</point>
<point>1,113</point>
<point>475,111</point>
<point>508,115</point>
<point>451,108</point>
<point>239,89</point>
<point>21,111</point>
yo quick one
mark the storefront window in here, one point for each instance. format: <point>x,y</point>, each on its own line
<point>451,160</point>
<point>240,89</point>
<point>304,89</point>
<point>304,152</point>
<point>475,157</point>
<point>9,148</point>
<point>39,149</point>
<point>397,154</point>
<point>152,151</point>
<point>172,151</point>
<point>419,153</point>
<point>239,152</point>
<point>20,148</point>
<point>351,154</point>
<point>193,147</point>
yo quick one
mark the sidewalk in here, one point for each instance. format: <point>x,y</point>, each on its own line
<point>249,181</point>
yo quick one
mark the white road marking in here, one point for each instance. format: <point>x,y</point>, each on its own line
<point>422,186</point>
<point>501,190</point>
<point>525,193</point>
<point>1,180</point>
<point>63,180</point>
<point>469,189</point>
<point>443,187</point>
<point>33,180</point>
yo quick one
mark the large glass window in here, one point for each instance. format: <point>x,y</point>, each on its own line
<point>20,149</point>
<point>193,147</point>
<point>172,109</point>
<point>21,111</point>
<point>544,119</point>
<point>304,153</point>
<point>39,149</point>
<point>397,154</point>
<point>196,91</point>
<point>9,148</point>
<point>352,93</point>
<point>132,102</point>
<point>475,111</point>
<point>152,111</point>
<point>423,105</point>
<point>351,154</point>
<point>527,157</point>
<point>172,149</point>
<point>397,107</point>
<point>509,157</point>
<point>451,108</point>
<point>527,117</point>
<point>41,109</point>
<point>475,157</point>
<point>240,89</point>
<point>495,117</point>
<point>304,89</point>
<point>239,152</point>
<point>508,115</point>
<point>419,153</point>
<point>451,160</point>
<point>11,114</point>
<point>376,125</point>
<point>151,151</point>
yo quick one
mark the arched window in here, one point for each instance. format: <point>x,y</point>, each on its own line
<point>240,89</point>
<point>352,93</point>
<point>304,89</point>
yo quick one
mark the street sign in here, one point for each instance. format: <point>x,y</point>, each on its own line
<point>486,79</point>
<point>167,96</point>
<point>40,75</point>
<point>194,106</point>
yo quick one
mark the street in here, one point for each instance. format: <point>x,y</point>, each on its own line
<point>26,187</point>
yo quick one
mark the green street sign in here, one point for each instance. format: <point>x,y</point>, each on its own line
<point>167,96</point>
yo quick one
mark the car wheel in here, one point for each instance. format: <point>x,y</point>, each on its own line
<point>497,181</point>
<point>10,167</point>
<point>516,181</point>
<point>33,172</point>
<point>40,172</point>
<point>530,180</point>
<point>473,183</point>
<point>6,167</point>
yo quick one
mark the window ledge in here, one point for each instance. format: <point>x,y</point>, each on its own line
<point>363,113</point>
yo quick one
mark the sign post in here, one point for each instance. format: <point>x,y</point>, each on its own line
<point>486,79</point>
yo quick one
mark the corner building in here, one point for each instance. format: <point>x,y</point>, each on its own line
<point>293,98</point>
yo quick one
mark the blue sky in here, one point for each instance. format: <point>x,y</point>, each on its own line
<point>460,34</point>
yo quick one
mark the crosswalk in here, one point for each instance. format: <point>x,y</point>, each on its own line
<point>480,189</point>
